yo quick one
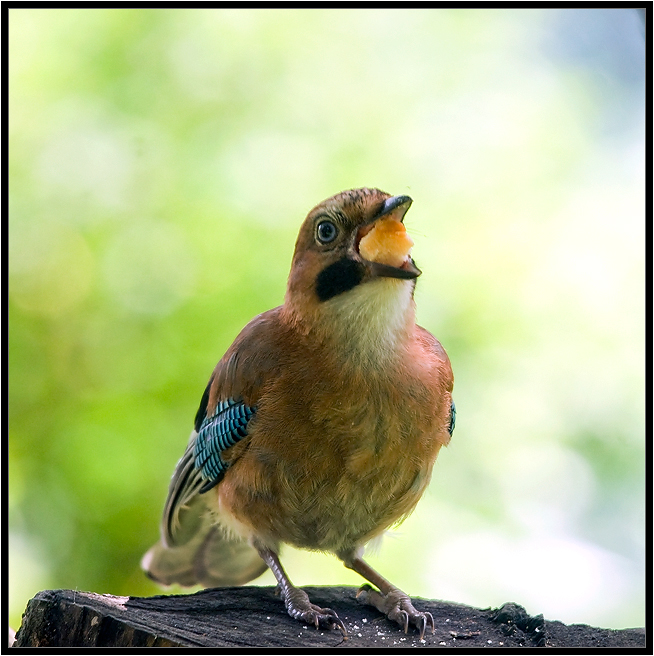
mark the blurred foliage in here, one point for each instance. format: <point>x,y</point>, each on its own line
<point>160,164</point>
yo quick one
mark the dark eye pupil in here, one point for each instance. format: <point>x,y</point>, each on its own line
<point>326,231</point>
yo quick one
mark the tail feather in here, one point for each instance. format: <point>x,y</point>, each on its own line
<point>211,560</point>
<point>208,557</point>
<point>193,549</point>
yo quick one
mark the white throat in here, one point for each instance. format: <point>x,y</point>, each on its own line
<point>372,319</point>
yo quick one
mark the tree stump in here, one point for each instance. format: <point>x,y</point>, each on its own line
<point>255,617</point>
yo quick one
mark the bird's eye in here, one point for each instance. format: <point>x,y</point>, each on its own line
<point>326,232</point>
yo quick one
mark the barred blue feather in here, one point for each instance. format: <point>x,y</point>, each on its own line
<point>450,430</point>
<point>226,427</point>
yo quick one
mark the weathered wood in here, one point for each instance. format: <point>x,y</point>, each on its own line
<point>254,617</point>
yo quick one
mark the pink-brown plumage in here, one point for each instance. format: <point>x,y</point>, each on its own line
<point>353,403</point>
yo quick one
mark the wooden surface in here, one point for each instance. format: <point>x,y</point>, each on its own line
<point>254,617</point>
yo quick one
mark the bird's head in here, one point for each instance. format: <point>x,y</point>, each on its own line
<point>352,253</point>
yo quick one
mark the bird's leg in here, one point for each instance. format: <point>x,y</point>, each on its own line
<point>391,601</point>
<point>297,601</point>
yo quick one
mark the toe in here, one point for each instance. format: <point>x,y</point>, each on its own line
<point>397,606</point>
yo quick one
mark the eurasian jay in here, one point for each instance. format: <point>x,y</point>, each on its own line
<point>320,425</point>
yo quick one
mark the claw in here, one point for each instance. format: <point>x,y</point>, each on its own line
<point>397,607</point>
<point>300,607</point>
<point>426,620</point>
<point>338,623</point>
<point>430,622</point>
<point>297,602</point>
<point>405,618</point>
<point>422,626</point>
<point>365,588</point>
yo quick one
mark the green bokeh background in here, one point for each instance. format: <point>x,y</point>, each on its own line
<point>160,164</point>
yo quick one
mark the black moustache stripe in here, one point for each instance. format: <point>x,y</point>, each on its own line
<point>338,277</point>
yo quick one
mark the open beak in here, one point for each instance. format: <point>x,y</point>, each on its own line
<point>393,209</point>
<point>406,272</point>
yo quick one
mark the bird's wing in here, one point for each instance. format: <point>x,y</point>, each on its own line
<point>227,426</point>
<point>450,430</point>
<point>182,509</point>
<point>202,466</point>
<point>227,407</point>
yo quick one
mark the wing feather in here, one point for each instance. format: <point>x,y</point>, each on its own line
<point>227,407</point>
<point>202,466</point>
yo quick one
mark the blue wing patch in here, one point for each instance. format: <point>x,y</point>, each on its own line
<point>452,418</point>
<point>226,427</point>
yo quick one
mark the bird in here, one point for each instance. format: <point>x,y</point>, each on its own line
<point>320,425</point>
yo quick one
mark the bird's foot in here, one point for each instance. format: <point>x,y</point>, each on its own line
<point>299,606</point>
<point>397,607</point>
